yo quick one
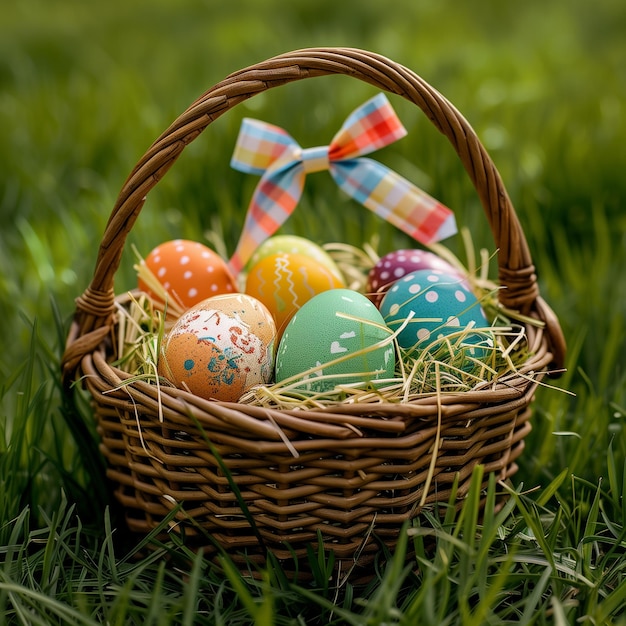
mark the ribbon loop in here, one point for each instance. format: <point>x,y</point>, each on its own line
<point>272,153</point>
<point>259,145</point>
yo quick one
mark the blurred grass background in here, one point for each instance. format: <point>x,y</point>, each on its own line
<point>85,88</point>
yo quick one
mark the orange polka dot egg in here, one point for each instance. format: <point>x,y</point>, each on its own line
<point>188,271</point>
<point>220,348</point>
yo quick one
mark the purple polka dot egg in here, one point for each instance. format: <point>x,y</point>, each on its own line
<point>399,263</point>
<point>433,304</point>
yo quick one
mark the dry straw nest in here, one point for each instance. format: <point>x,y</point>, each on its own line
<point>283,474</point>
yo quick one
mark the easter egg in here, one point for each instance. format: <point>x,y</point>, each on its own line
<point>399,263</point>
<point>293,244</point>
<point>189,272</point>
<point>285,281</point>
<point>337,324</point>
<point>220,348</point>
<point>441,304</point>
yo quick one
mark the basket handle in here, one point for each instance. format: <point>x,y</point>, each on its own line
<point>95,307</point>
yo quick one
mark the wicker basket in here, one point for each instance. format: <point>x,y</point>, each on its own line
<point>359,467</point>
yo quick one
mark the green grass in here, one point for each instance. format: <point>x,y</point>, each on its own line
<point>86,87</point>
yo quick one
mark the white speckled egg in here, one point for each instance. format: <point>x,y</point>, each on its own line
<point>442,304</point>
<point>333,324</point>
<point>220,348</point>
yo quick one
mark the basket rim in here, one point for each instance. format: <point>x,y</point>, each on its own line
<point>269,428</point>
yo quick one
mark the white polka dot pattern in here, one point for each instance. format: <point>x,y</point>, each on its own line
<point>395,265</point>
<point>189,272</point>
<point>437,304</point>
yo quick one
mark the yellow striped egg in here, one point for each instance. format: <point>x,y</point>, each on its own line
<point>284,282</point>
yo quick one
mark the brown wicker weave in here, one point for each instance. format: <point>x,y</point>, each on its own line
<point>358,466</point>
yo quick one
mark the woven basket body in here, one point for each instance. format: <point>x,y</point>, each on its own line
<point>359,471</point>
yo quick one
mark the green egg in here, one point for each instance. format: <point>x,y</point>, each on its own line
<point>292,244</point>
<point>338,335</point>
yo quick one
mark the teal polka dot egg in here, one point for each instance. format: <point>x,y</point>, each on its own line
<point>332,340</point>
<point>438,304</point>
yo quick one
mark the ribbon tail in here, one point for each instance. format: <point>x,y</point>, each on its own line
<point>395,199</point>
<point>274,200</point>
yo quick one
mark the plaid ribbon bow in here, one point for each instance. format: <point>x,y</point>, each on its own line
<point>271,152</point>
